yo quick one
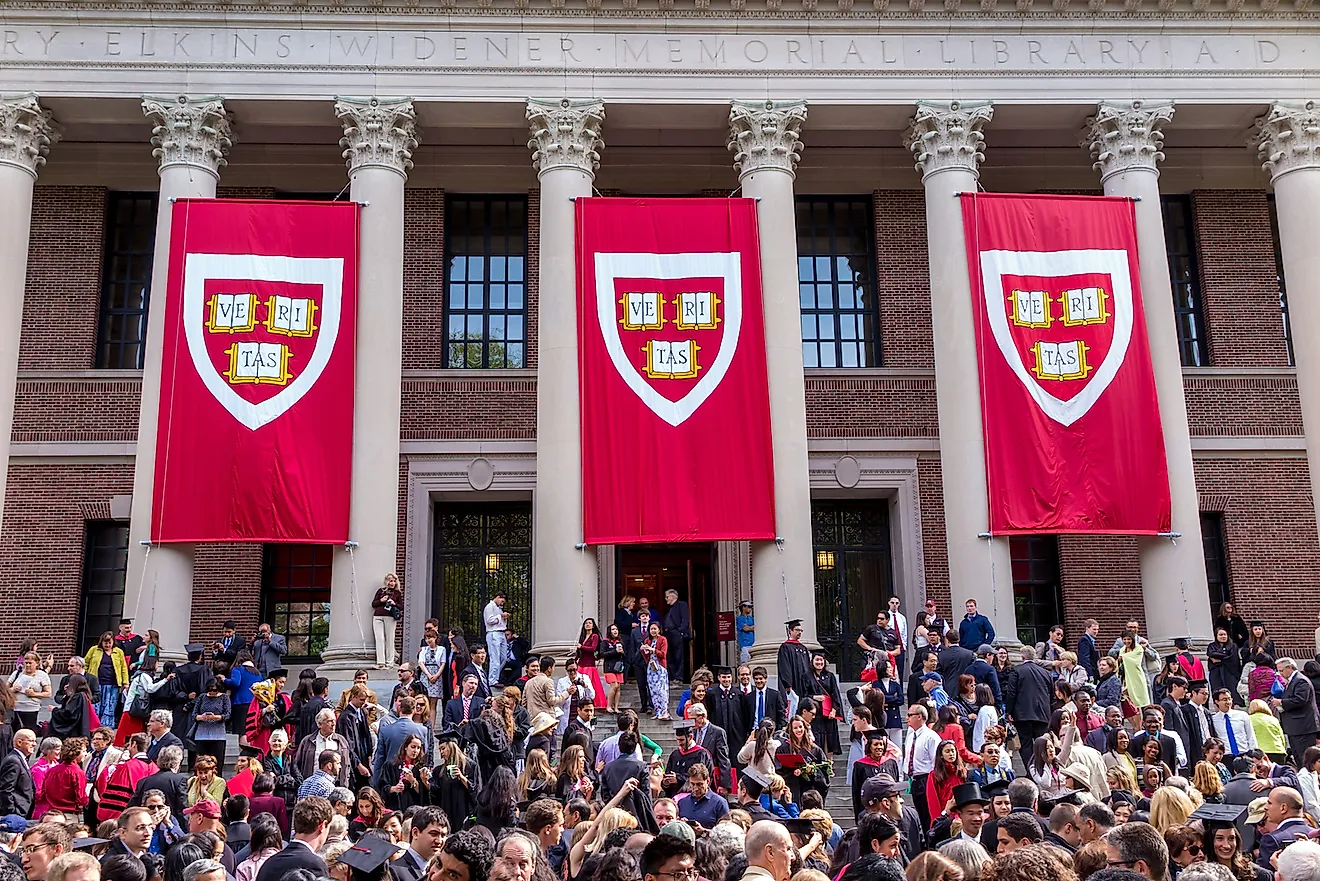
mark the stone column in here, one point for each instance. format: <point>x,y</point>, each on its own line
<point>946,139</point>
<point>565,144</point>
<point>26,133</point>
<point>1288,142</point>
<point>1125,138</point>
<point>764,138</point>
<point>379,137</point>
<point>191,138</point>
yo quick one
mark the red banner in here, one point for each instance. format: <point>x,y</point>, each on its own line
<point>671,343</point>
<point>1073,442</point>
<point>256,403</point>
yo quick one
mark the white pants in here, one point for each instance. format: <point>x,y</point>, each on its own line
<point>497,645</point>
<point>744,654</point>
<point>383,628</point>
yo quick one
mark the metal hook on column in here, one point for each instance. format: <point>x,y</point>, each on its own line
<point>351,546</point>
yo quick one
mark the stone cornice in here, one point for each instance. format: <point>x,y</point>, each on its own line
<point>946,135</point>
<point>1288,137</point>
<point>26,132</point>
<point>194,132</point>
<point>378,133</point>
<point>1127,136</point>
<point>565,134</point>
<point>766,135</point>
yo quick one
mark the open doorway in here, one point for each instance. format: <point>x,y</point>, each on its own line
<point>647,571</point>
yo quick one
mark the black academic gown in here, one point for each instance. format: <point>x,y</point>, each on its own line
<point>823,729</point>
<point>864,769</point>
<point>728,712</point>
<point>450,794</point>
<point>680,761</point>
<point>795,669</point>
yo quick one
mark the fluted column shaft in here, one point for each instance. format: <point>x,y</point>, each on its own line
<point>1125,138</point>
<point>191,138</point>
<point>1288,142</point>
<point>764,137</point>
<point>379,137</point>
<point>946,140</point>
<point>565,144</point>
<point>26,133</point>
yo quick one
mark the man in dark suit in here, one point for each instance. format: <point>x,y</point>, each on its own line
<point>355,728</point>
<point>227,647</point>
<point>678,630</point>
<point>1174,717</point>
<point>715,741</point>
<point>168,780</point>
<point>311,823</point>
<point>581,721</point>
<point>626,767</point>
<point>637,661</point>
<point>16,789</point>
<point>1152,720</point>
<point>764,702</point>
<point>1200,724</point>
<point>1284,809</point>
<point>158,726</point>
<point>268,649</point>
<point>1027,694</point>
<point>429,830</point>
<point>467,706</point>
<point>1088,652</point>
<point>478,669</point>
<point>954,661</point>
<point>1298,712</point>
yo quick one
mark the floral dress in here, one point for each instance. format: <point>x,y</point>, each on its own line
<point>657,675</point>
<point>432,660</point>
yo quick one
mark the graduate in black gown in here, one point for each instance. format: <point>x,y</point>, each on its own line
<point>795,666</point>
<point>683,758</point>
<point>874,761</point>
<point>451,789</point>
<point>829,702</point>
<point>725,706</point>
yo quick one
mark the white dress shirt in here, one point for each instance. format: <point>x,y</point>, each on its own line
<point>1243,733</point>
<point>898,623</point>
<point>919,751</point>
<point>494,618</point>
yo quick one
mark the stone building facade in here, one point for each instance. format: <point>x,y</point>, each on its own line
<point>466,467</point>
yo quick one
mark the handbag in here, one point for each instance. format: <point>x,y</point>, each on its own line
<point>140,707</point>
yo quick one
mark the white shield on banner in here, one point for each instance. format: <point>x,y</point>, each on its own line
<point>327,272</point>
<point>996,264</point>
<point>725,265</point>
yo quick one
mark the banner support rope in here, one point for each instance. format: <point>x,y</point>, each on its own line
<point>350,546</point>
<point>783,576</point>
<point>137,608</point>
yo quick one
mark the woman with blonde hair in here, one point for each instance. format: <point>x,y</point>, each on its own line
<point>1268,731</point>
<point>537,779</point>
<point>1169,807</point>
<point>931,865</point>
<point>451,790</point>
<point>1207,781</point>
<point>386,612</point>
<point>573,781</point>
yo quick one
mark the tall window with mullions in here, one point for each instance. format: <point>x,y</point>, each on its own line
<point>836,281</point>
<point>105,564</point>
<point>130,243</point>
<point>486,281</point>
<point>1037,589</point>
<point>1180,247</point>
<point>295,597</point>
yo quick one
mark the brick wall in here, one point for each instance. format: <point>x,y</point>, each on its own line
<point>423,279</point>
<point>458,406</point>
<point>880,406</point>
<point>63,293</point>
<point>226,584</point>
<point>903,282</point>
<point>1101,579</point>
<point>1239,281</point>
<point>76,410</point>
<point>1243,406</point>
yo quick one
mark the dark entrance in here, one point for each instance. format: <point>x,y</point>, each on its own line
<point>649,570</point>
<point>481,549</point>
<point>854,575</point>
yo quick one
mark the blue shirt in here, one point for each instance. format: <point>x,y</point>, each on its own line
<point>745,637</point>
<point>707,810</point>
<point>320,783</point>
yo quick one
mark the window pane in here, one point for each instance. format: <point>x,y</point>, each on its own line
<point>1180,247</point>
<point>1216,561</point>
<point>295,597</point>
<point>486,246</point>
<point>836,281</point>
<point>1037,591</point>
<point>130,238</point>
<point>105,563</point>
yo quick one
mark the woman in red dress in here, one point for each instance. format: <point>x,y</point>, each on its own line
<point>587,651</point>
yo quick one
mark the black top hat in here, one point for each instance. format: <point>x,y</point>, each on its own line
<point>968,794</point>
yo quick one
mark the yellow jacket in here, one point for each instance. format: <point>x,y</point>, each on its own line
<point>93,662</point>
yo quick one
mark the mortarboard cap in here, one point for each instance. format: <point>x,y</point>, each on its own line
<point>369,854</point>
<point>1121,797</point>
<point>793,622</point>
<point>275,674</point>
<point>1066,798</point>
<point>998,787</point>
<point>683,726</point>
<point>1219,815</point>
<point>1197,685</point>
<point>797,826</point>
<point>754,780</point>
<point>1257,623</point>
<point>88,843</point>
<point>876,734</point>
<point>1180,643</point>
<point>125,620</point>
<point>722,671</point>
<point>194,648</point>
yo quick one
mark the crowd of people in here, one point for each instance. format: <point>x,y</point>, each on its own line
<point>484,762</point>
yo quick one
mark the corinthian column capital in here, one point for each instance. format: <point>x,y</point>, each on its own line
<point>766,135</point>
<point>565,133</point>
<point>1127,136</point>
<point>26,132</point>
<point>195,132</point>
<point>1288,137</point>
<point>947,136</point>
<point>378,132</point>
